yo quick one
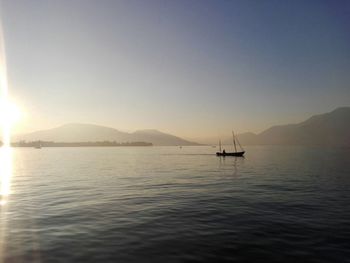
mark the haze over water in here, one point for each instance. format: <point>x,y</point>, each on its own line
<point>193,69</point>
<point>166,204</point>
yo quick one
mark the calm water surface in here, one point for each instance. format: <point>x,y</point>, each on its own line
<point>166,204</point>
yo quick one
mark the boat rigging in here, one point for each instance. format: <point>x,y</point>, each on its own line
<point>235,153</point>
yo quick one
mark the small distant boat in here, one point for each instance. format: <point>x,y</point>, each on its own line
<point>235,153</point>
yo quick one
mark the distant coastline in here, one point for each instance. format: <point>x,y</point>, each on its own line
<point>327,129</point>
<point>78,144</point>
<point>83,132</point>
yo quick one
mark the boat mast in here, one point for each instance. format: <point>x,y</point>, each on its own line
<point>234,142</point>
<point>220,145</point>
<point>240,146</point>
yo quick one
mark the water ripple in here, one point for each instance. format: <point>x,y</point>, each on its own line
<point>175,205</point>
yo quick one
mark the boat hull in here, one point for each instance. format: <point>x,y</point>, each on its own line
<point>230,154</point>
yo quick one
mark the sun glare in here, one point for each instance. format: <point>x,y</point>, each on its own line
<point>6,172</point>
<point>9,113</point>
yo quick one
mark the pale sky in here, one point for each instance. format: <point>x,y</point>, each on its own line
<point>191,68</point>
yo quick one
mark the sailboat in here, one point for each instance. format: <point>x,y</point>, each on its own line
<point>235,153</point>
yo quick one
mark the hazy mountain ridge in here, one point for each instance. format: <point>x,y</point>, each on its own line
<point>160,137</point>
<point>79,132</point>
<point>329,129</point>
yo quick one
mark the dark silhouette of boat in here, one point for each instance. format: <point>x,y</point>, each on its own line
<point>235,153</point>
<point>239,154</point>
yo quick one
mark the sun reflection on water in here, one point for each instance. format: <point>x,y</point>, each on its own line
<point>5,173</point>
<point>9,114</point>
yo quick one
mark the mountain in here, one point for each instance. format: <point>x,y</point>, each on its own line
<point>160,138</point>
<point>329,129</point>
<point>78,132</point>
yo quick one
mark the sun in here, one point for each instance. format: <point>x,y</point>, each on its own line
<point>9,113</point>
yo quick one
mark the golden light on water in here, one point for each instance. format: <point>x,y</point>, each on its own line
<point>5,173</point>
<point>9,114</point>
<point>7,117</point>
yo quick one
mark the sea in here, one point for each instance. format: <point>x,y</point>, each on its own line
<point>172,204</point>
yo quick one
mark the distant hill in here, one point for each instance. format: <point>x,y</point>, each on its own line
<point>77,132</point>
<point>329,129</point>
<point>159,138</point>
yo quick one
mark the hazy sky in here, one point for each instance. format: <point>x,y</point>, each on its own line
<point>191,68</point>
